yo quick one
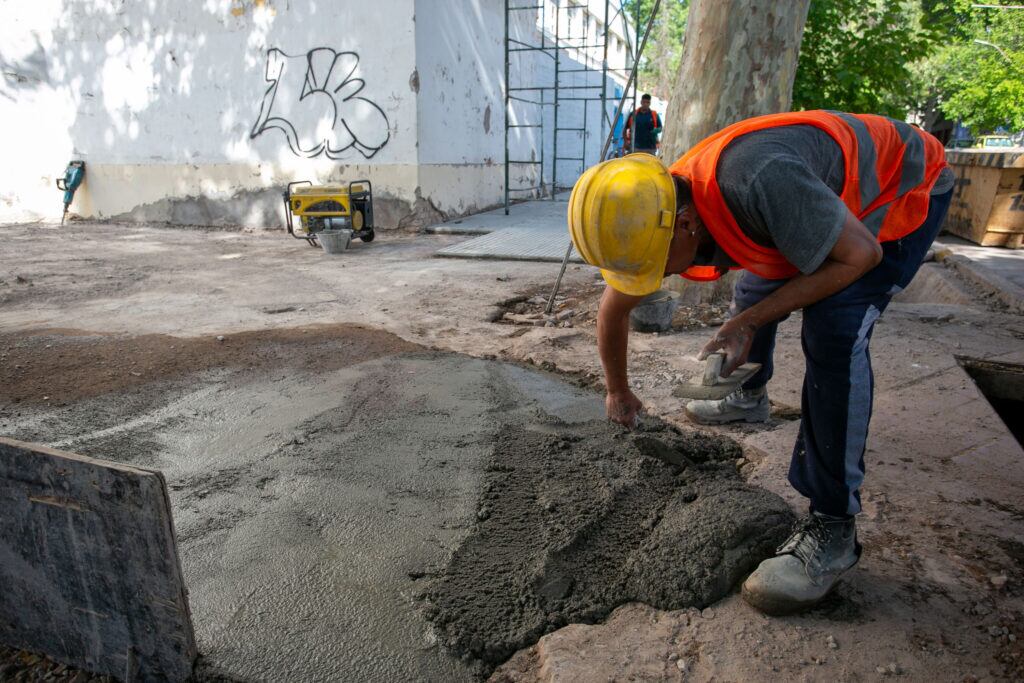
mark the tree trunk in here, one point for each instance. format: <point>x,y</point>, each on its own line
<point>739,60</point>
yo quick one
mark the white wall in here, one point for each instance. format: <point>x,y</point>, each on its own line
<point>171,108</point>
<point>460,64</point>
<point>161,99</point>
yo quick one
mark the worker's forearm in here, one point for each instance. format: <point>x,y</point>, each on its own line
<point>612,343</point>
<point>802,290</point>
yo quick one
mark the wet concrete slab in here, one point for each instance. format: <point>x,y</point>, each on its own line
<point>320,505</point>
<point>309,505</point>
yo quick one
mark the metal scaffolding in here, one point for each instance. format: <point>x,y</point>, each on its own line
<point>604,150</point>
<point>529,96</point>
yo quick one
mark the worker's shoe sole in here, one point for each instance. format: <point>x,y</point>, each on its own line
<point>724,419</point>
<point>806,568</point>
<point>780,608</point>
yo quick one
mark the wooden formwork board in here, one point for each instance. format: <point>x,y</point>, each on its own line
<point>89,569</point>
<point>988,202</point>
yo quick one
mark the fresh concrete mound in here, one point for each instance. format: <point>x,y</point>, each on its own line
<point>574,520</point>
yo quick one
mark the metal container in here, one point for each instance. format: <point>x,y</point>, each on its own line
<point>654,313</point>
<point>334,241</point>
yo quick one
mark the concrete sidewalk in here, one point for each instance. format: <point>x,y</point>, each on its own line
<point>532,231</point>
<point>995,273</point>
<point>1007,263</point>
<point>538,214</point>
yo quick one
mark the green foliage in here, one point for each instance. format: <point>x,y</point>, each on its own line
<point>660,62</point>
<point>892,57</point>
<point>978,78</point>
<point>901,56</point>
<point>856,54</point>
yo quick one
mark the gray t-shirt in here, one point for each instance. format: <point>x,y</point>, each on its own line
<point>783,186</point>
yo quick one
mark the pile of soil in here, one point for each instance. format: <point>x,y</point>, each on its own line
<point>59,367</point>
<point>575,520</point>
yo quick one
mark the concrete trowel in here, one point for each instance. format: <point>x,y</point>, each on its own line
<point>712,386</point>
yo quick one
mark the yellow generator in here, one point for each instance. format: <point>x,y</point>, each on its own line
<point>329,207</point>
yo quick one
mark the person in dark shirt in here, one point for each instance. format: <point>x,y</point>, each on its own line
<point>648,126</point>
<point>828,213</point>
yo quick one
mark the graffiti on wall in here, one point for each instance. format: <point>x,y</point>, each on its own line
<point>314,100</point>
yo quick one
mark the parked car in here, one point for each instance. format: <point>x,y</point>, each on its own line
<point>960,143</point>
<point>994,141</point>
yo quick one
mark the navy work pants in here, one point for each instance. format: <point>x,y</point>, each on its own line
<point>828,459</point>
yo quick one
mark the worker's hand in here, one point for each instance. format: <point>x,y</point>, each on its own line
<point>734,338</point>
<point>623,408</point>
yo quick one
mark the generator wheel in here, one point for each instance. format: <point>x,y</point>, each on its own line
<point>367,235</point>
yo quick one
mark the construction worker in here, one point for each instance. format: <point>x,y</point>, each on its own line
<point>648,127</point>
<point>827,212</point>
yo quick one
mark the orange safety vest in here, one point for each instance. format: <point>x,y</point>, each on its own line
<point>890,169</point>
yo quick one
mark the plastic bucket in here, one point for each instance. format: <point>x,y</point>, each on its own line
<point>334,241</point>
<point>654,312</point>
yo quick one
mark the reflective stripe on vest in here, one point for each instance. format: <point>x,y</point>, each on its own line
<point>890,168</point>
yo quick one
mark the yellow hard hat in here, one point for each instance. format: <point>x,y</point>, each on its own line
<point>621,215</point>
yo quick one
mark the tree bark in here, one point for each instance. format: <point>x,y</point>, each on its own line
<point>739,60</point>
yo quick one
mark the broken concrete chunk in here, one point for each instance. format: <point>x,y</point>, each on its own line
<point>528,319</point>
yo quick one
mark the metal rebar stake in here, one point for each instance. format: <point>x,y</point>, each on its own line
<point>604,151</point>
<point>507,105</point>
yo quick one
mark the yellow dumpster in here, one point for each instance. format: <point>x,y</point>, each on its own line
<point>988,201</point>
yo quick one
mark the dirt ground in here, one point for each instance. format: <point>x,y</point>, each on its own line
<point>938,595</point>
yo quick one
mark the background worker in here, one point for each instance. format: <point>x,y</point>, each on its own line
<point>648,128</point>
<point>827,212</point>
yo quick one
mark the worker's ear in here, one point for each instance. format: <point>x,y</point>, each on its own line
<point>687,219</point>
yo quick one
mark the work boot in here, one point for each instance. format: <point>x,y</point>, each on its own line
<point>805,567</point>
<point>747,405</point>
